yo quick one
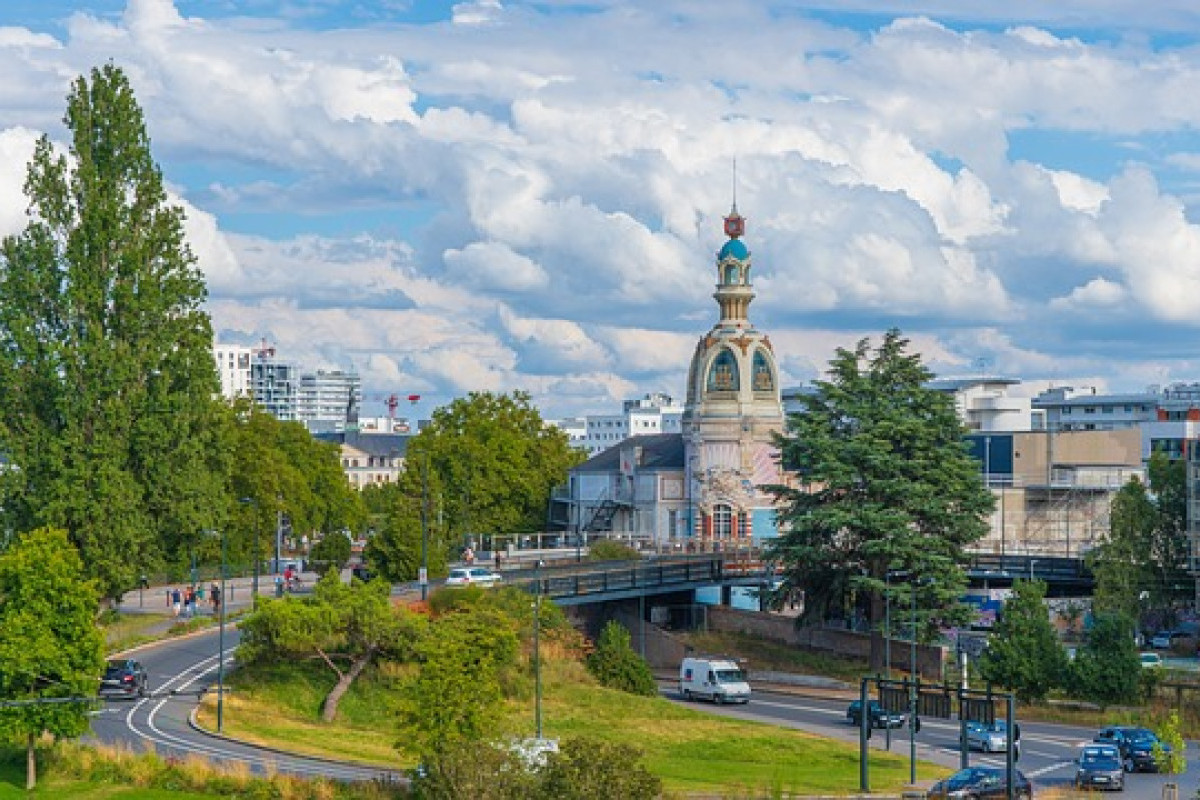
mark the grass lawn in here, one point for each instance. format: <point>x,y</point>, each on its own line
<point>767,656</point>
<point>692,751</point>
<point>12,787</point>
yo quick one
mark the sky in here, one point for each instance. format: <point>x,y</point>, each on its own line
<point>501,196</point>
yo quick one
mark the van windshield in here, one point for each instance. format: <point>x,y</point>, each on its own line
<point>731,676</point>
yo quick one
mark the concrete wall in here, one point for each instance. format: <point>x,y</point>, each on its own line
<point>830,640</point>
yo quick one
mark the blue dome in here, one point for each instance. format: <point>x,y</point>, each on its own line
<point>733,249</point>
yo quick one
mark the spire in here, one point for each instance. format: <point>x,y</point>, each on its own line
<point>735,224</point>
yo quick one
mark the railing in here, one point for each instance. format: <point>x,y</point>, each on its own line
<point>610,577</point>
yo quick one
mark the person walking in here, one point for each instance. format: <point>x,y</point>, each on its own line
<point>176,599</point>
<point>214,594</point>
<point>189,603</point>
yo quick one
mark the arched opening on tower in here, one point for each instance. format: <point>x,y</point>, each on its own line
<point>764,376</point>
<point>723,375</point>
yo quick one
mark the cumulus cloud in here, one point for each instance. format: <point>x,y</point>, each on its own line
<point>528,196</point>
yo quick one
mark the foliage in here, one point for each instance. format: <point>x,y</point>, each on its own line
<point>592,769</point>
<point>485,462</point>
<point>887,484</point>
<point>479,770</point>
<point>1169,733</point>
<point>612,550</point>
<point>280,469</point>
<point>332,552</point>
<point>50,646</point>
<point>1118,561</point>
<point>339,624</point>
<point>107,381</point>
<point>456,697</point>
<point>1023,652</point>
<point>615,664</point>
<point>1107,669</point>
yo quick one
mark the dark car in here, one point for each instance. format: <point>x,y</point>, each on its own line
<point>124,676</point>
<point>975,783</point>
<point>879,717</point>
<point>1099,767</point>
<point>1139,747</point>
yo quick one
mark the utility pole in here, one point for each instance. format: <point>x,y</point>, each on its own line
<point>423,577</point>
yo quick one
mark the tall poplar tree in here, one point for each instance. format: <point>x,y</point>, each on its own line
<point>107,380</point>
<point>887,489</point>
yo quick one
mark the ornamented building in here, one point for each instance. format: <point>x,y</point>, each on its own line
<point>699,488</point>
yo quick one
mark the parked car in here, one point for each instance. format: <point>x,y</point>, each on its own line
<point>991,738</point>
<point>976,783</point>
<point>1150,660</point>
<point>1167,640</point>
<point>124,676</point>
<point>1139,747</point>
<point>879,717</point>
<point>1099,767</point>
<point>473,576</point>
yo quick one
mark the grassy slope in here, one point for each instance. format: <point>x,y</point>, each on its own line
<point>691,750</point>
<point>12,787</point>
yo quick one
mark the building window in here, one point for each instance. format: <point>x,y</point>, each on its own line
<point>722,521</point>
<point>723,376</point>
<point>764,380</point>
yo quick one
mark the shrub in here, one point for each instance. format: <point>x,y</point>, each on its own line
<point>617,666</point>
<point>1169,732</point>
<point>590,769</point>
<point>609,550</point>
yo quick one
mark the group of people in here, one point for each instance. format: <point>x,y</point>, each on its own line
<point>184,601</point>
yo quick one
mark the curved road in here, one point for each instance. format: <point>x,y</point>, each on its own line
<point>180,671</point>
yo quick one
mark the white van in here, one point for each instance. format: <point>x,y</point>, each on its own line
<point>718,678</point>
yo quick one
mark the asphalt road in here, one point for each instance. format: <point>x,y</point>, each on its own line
<point>1047,750</point>
<point>180,670</point>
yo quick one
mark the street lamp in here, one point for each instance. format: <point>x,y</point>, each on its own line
<point>537,658</point>
<point>221,640</point>
<point>423,577</point>
<point>912,697</point>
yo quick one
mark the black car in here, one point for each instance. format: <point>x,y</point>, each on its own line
<point>1099,767</point>
<point>1139,747</point>
<point>975,783</point>
<point>879,717</point>
<point>124,676</point>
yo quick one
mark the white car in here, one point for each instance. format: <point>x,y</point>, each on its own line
<point>472,576</point>
<point>1151,660</point>
<point>988,738</point>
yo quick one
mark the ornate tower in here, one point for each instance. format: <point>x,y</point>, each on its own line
<point>733,411</point>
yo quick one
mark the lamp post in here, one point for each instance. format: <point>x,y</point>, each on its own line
<point>221,643</point>
<point>537,657</point>
<point>912,695</point>
<point>887,624</point>
<point>423,576</point>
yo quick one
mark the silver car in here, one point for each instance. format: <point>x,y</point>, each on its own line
<point>988,738</point>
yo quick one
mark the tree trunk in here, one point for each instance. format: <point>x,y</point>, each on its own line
<point>30,763</point>
<point>329,708</point>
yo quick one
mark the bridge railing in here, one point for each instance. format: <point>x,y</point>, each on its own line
<point>605,577</point>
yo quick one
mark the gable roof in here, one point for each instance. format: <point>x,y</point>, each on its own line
<point>660,451</point>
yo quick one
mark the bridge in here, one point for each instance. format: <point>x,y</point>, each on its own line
<point>571,582</point>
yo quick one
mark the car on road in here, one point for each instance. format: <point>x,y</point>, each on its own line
<point>976,783</point>
<point>1168,640</point>
<point>1139,747</point>
<point>472,576</point>
<point>1150,660</point>
<point>1099,767</point>
<point>124,676</point>
<point>990,738</point>
<point>879,717</point>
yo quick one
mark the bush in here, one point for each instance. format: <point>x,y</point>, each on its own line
<point>1169,733</point>
<point>615,665</point>
<point>609,550</point>
<point>590,769</point>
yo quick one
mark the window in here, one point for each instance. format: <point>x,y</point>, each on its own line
<point>723,375</point>
<point>722,521</point>
<point>764,380</point>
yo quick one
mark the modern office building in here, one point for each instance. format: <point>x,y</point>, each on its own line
<point>646,416</point>
<point>329,396</point>
<point>233,367</point>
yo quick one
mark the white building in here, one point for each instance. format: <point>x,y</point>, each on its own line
<point>646,416</point>
<point>328,396</point>
<point>233,367</point>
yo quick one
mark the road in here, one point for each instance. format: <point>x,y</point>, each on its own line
<point>180,670</point>
<point>1047,750</point>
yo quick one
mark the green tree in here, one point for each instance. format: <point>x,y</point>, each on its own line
<point>107,381</point>
<point>346,627</point>
<point>1107,670</point>
<point>615,664</point>
<point>1118,562</point>
<point>1171,586</point>
<point>395,549</point>
<point>887,484</point>
<point>592,769</point>
<point>1024,654</point>
<point>1169,733</point>
<point>332,552</point>
<point>457,696</point>
<point>50,646</point>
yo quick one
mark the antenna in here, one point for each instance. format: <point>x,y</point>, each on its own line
<point>734,185</point>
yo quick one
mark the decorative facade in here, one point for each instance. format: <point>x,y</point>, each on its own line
<point>733,411</point>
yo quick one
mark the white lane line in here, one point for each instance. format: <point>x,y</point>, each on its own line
<point>159,736</point>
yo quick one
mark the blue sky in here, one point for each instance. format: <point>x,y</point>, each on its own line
<point>498,195</point>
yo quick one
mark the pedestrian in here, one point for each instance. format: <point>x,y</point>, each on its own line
<point>214,593</point>
<point>469,556</point>
<point>176,599</point>
<point>190,602</point>
<point>497,561</point>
